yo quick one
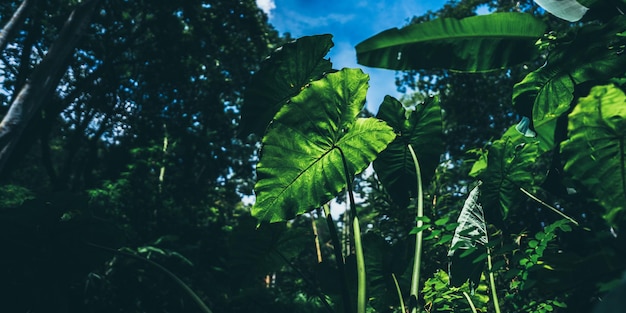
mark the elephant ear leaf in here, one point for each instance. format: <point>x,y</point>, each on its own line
<point>281,76</point>
<point>507,166</point>
<point>420,126</point>
<point>473,44</point>
<point>469,242</point>
<point>301,165</point>
<point>594,152</point>
<point>596,54</point>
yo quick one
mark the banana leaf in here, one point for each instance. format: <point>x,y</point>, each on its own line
<point>474,44</point>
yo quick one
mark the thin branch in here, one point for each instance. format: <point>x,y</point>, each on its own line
<point>530,195</point>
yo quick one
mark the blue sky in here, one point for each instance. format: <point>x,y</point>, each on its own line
<point>350,22</point>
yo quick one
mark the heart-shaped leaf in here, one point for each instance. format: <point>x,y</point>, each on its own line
<point>473,44</point>
<point>421,128</point>
<point>301,165</point>
<point>596,53</point>
<point>504,168</point>
<point>594,152</point>
<point>282,76</point>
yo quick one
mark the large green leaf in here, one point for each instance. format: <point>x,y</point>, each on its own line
<point>594,152</point>
<point>473,44</point>
<point>595,54</point>
<point>508,165</point>
<point>282,76</point>
<point>421,128</point>
<point>301,165</point>
<point>469,236</point>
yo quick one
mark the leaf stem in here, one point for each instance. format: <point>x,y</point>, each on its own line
<point>332,229</point>
<point>530,195</point>
<point>415,279</point>
<point>469,300</point>
<point>492,283</point>
<point>400,297</point>
<point>358,247</point>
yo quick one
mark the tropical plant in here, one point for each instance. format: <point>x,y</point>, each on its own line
<point>581,159</point>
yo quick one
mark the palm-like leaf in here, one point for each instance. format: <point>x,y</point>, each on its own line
<point>421,129</point>
<point>473,44</point>
<point>595,151</point>
<point>301,166</point>
<point>504,168</point>
<point>282,76</point>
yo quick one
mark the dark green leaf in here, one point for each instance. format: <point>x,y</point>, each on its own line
<point>594,153</point>
<point>473,44</point>
<point>421,128</point>
<point>301,166</point>
<point>282,76</point>
<point>596,53</point>
<point>508,165</point>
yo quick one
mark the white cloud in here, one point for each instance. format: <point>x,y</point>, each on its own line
<point>267,6</point>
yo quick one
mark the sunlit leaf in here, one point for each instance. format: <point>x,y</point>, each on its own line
<point>473,44</point>
<point>282,76</point>
<point>301,165</point>
<point>422,129</point>
<point>469,235</point>
<point>569,10</point>
<point>594,152</point>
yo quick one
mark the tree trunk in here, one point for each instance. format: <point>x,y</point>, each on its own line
<point>18,18</point>
<point>43,80</point>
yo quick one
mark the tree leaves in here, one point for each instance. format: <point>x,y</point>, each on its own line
<point>473,44</point>
<point>595,149</point>
<point>282,76</point>
<point>301,164</point>
<point>421,128</point>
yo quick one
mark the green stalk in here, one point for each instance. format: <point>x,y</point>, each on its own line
<point>358,247</point>
<point>492,283</point>
<point>395,281</point>
<point>173,276</point>
<point>361,300</point>
<point>345,290</point>
<point>469,300</point>
<point>530,195</point>
<point>415,278</point>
